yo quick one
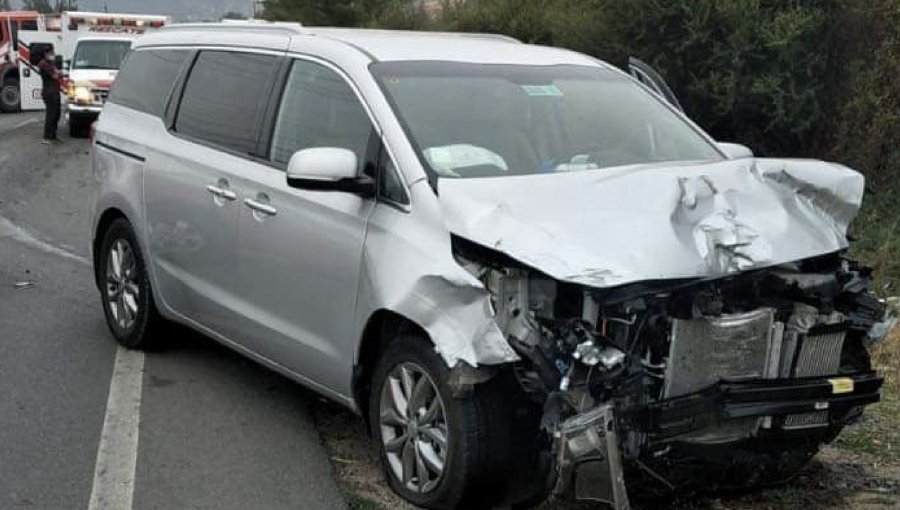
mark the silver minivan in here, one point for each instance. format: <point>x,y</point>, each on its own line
<point>527,270</point>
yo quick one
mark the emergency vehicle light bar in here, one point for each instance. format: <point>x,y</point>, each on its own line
<point>74,21</point>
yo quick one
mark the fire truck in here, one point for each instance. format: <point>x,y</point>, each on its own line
<point>14,26</point>
<point>91,45</point>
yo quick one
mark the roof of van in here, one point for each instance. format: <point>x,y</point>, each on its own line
<point>380,45</point>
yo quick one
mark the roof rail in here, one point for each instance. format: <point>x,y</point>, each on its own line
<point>238,26</point>
<point>494,37</point>
<point>420,33</point>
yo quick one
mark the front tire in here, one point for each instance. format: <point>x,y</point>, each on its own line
<point>437,451</point>
<point>125,289</point>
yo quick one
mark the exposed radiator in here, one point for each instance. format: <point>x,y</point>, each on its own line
<point>750,345</point>
<point>703,351</point>
<point>819,355</point>
<point>731,346</point>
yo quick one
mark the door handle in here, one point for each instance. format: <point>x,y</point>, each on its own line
<point>226,194</point>
<point>260,207</point>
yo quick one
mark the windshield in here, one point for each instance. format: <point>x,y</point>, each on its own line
<point>100,54</point>
<point>477,120</point>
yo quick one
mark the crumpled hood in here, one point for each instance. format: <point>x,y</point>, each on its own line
<point>609,227</point>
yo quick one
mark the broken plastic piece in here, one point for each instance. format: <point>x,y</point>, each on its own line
<point>588,457</point>
<point>880,329</point>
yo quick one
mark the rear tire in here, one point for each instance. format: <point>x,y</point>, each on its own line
<point>125,289</point>
<point>476,431</point>
<point>10,97</point>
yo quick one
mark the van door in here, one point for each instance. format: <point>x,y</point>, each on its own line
<point>300,250</point>
<point>649,77</point>
<point>190,187</point>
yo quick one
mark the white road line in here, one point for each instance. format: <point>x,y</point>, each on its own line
<point>114,472</point>
<point>10,229</point>
<point>20,125</point>
<point>24,123</point>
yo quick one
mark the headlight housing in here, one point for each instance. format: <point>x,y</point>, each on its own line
<point>83,94</point>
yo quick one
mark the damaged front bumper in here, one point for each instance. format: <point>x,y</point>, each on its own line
<point>588,462</point>
<point>771,398</point>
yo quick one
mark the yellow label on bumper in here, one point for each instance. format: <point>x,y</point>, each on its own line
<point>841,385</point>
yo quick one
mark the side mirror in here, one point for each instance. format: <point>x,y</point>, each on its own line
<point>328,169</point>
<point>58,62</point>
<point>735,150</point>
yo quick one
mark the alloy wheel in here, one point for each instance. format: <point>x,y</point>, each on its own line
<point>413,426</point>
<point>122,289</point>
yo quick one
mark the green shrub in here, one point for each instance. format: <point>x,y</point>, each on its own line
<point>866,132</point>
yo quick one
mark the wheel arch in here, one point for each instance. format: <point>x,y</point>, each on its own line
<point>106,219</point>
<point>382,326</point>
<point>9,72</point>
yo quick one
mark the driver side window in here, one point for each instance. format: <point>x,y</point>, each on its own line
<point>319,109</point>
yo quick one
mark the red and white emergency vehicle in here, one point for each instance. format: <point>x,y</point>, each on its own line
<point>13,26</point>
<point>92,46</point>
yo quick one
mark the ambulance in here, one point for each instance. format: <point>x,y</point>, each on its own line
<point>93,47</point>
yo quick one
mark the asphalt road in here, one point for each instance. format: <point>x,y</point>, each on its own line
<point>215,431</point>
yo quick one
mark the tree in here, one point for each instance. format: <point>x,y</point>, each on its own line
<point>4,5</point>
<point>344,13</point>
<point>233,15</point>
<point>42,6</point>
<point>65,5</point>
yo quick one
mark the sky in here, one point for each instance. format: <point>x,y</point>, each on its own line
<point>180,10</point>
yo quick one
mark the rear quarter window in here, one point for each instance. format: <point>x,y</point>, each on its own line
<point>147,78</point>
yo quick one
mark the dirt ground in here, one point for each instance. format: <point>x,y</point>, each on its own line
<point>860,470</point>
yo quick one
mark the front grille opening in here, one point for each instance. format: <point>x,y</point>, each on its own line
<point>806,420</point>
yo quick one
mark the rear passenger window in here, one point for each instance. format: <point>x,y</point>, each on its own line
<point>146,79</point>
<point>225,97</point>
<point>319,109</point>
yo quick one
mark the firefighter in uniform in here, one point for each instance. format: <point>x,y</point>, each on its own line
<point>50,93</point>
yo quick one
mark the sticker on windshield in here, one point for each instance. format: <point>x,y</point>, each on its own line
<point>542,90</point>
